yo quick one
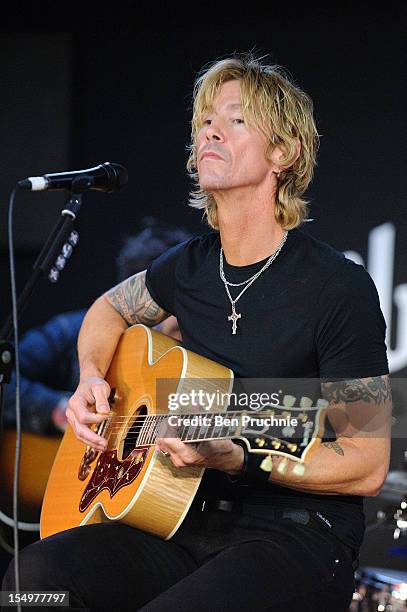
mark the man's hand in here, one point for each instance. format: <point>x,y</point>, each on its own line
<point>221,455</point>
<point>88,405</point>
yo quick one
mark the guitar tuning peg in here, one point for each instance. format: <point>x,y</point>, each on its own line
<point>306,402</point>
<point>260,442</point>
<point>291,447</point>
<point>267,464</point>
<point>322,403</point>
<point>282,466</point>
<point>299,469</point>
<point>289,401</point>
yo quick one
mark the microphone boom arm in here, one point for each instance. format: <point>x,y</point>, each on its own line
<point>52,258</point>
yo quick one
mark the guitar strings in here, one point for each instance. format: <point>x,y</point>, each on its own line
<point>119,419</point>
<point>151,428</point>
<point>199,439</point>
<point>149,436</point>
<point>152,443</point>
<point>149,431</point>
<point>157,420</point>
<point>207,412</point>
<point>144,433</point>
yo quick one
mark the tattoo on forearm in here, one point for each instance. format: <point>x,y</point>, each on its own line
<point>375,390</point>
<point>335,447</point>
<point>132,300</point>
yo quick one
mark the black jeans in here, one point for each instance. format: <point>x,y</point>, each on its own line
<point>255,560</point>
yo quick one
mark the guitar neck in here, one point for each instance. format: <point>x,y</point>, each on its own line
<point>214,426</point>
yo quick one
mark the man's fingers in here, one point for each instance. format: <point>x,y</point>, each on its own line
<point>89,437</point>
<point>101,392</point>
<point>172,445</point>
<point>89,418</point>
<point>82,412</point>
<point>181,454</point>
<point>89,406</point>
<point>201,454</point>
<point>85,434</point>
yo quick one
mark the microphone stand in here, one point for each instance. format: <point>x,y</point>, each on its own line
<point>50,263</point>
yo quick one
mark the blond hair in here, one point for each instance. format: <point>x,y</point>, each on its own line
<point>276,106</point>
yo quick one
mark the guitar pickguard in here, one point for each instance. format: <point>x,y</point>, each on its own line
<point>112,474</point>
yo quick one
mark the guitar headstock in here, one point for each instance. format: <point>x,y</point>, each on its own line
<point>286,430</point>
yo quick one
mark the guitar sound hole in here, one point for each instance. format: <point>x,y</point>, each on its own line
<point>130,440</point>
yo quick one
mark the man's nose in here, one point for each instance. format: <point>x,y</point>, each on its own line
<point>214,132</point>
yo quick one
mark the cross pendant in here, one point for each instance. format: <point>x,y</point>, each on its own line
<point>234,317</point>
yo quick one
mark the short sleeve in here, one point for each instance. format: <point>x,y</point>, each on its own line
<point>350,327</point>
<point>161,277</point>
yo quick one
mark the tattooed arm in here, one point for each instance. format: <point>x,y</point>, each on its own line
<point>127,303</point>
<point>104,323</point>
<point>133,302</point>
<point>356,463</point>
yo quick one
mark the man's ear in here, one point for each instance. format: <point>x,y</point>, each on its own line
<point>283,157</point>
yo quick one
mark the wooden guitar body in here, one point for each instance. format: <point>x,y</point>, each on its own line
<point>138,486</point>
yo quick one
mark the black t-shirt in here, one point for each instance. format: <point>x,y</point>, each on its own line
<point>312,314</point>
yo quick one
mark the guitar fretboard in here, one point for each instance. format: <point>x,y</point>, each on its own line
<point>212,426</point>
<point>203,427</point>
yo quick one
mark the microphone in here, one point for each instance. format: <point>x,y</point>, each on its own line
<point>106,177</point>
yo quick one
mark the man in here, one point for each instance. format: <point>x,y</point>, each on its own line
<point>268,301</point>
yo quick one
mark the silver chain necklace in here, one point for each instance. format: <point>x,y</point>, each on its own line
<point>237,315</point>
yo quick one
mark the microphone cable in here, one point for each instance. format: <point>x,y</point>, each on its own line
<point>17,456</point>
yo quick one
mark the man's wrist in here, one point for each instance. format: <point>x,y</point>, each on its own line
<point>91,372</point>
<point>238,461</point>
<point>250,472</point>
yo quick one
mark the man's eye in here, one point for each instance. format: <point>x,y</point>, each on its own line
<point>238,120</point>
<point>206,121</point>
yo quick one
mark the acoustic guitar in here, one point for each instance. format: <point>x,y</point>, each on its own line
<point>134,483</point>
